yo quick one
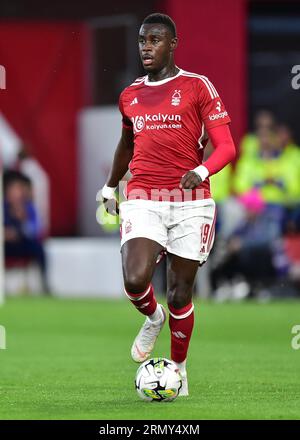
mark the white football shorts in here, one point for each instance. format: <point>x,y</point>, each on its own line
<point>186,229</point>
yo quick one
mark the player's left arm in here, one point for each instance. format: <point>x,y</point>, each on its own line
<point>215,119</point>
<point>224,153</point>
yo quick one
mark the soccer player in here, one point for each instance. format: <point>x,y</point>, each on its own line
<point>168,117</point>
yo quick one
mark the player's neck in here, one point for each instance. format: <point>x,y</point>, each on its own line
<point>166,72</point>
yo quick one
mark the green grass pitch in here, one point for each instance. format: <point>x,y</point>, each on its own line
<point>70,359</point>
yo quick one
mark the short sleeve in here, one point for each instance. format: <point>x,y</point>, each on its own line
<point>126,123</point>
<point>211,107</point>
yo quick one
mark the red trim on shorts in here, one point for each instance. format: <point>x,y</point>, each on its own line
<point>212,232</point>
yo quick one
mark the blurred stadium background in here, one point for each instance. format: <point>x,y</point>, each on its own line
<point>63,66</point>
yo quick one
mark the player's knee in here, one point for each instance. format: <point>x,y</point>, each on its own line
<point>178,297</point>
<point>135,282</point>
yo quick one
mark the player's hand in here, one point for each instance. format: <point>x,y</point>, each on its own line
<point>190,180</point>
<point>111,205</point>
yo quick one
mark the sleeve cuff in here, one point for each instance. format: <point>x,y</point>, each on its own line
<point>202,172</point>
<point>105,193</point>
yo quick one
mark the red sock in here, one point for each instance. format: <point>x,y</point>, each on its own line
<point>145,301</point>
<point>181,323</point>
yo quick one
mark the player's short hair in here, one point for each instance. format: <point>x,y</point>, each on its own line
<point>162,19</point>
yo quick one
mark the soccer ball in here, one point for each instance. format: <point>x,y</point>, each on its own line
<point>158,380</point>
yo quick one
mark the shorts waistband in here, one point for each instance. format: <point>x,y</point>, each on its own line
<point>200,202</point>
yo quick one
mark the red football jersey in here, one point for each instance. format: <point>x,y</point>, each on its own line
<point>169,118</point>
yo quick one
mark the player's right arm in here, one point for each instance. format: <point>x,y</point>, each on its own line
<point>122,157</point>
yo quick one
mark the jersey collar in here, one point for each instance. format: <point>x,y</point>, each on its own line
<point>162,81</point>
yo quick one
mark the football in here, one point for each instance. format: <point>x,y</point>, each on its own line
<point>158,380</point>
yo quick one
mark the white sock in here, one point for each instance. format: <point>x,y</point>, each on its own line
<point>157,315</point>
<point>181,366</point>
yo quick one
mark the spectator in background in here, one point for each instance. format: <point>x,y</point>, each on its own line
<point>291,157</point>
<point>250,263</point>
<point>264,122</point>
<point>287,144</point>
<point>22,230</point>
<point>270,170</point>
<point>31,168</point>
<point>249,255</point>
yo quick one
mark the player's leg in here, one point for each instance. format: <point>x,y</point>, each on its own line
<point>191,236</point>
<point>138,263</point>
<point>139,257</point>
<point>181,277</point>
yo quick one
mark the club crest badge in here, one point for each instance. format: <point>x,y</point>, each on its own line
<point>176,98</point>
<point>128,227</point>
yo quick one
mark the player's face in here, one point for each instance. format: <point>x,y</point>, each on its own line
<point>156,46</point>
